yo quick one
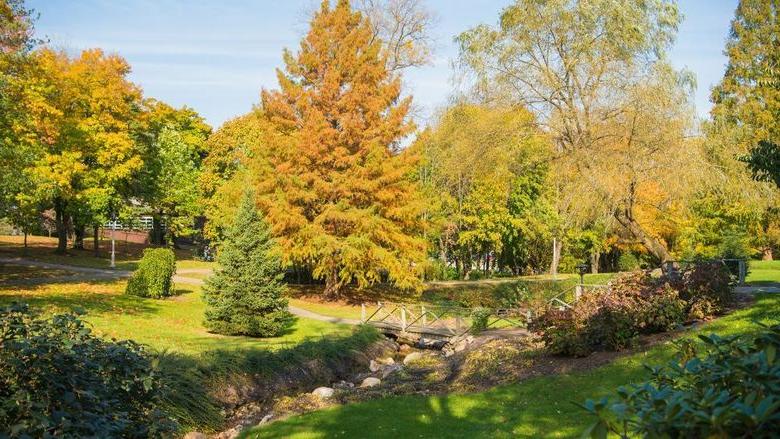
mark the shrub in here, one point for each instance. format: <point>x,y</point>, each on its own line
<point>628,262</point>
<point>245,295</point>
<point>58,380</point>
<point>727,388</point>
<point>480,318</point>
<point>706,289</point>
<point>612,318</point>
<point>154,276</point>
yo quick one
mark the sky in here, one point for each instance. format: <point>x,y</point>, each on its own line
<point>216,56</point>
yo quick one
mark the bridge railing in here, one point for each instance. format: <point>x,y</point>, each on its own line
<point>439,319</point>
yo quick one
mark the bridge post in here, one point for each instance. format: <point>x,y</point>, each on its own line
<point>424,317</point>
<point>577,292</point>
<point>363,312</point>
<point>403,318</point>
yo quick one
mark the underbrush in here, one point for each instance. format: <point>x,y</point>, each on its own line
<point>634,304</point>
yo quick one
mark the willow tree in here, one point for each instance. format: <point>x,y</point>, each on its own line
<point>339,197</point>
<point>581,66</point>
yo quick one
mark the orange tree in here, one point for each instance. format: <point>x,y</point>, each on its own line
<point>336,188</point>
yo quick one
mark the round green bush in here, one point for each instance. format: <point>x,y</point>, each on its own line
<point>628,262</point>
<point>154,276</point>
<point>58,380</point>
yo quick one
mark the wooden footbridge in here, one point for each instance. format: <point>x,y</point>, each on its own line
<point>434,322</point>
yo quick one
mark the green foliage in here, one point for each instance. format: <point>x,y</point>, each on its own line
<point>479,319</point>
<point>628,261</point>
<point>245,295</point>
<point>727,388</point>
<point>154,276</point>
<point>58,380</point>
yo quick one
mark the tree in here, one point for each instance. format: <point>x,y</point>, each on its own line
<point>594,74</point>
<point>245,295</point>
<point>748,97</point>
<point>339,196</point>
<point>403,28</point>
<point>172,143</point>
<point>484,173</point>
<point>88,153</point>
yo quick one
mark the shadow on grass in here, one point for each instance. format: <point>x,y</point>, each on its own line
<point>200,387</point>
<point>79,297</point>
<point>539,407</point>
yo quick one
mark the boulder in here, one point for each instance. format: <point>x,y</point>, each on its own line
<point>195,435</point>
<point>411,358</point>
<point>374,366</point>
<point>323,392</point>
<point>370,382</point>
<point>390,369</point>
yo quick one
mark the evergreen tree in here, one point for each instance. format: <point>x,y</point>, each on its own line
<point>339,195</point>
<point>245,295</point>
<point>748,98</point>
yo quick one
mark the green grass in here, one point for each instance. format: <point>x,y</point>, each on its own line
<point>173,324</point>
<point>763,272</point>
<point>540,407</point>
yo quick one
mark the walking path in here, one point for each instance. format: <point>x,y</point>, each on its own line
<point>84,274</point>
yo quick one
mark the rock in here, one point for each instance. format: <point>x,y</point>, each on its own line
<point>374,366</point>
<point>411,358</point>
<point>404,348</point>
<point>343,385</point>
<point>386,361</point>
<point>195,435</point>
<point>268,417</point>
<point>370,382</point>
<point>323,392</point>
<point>390,369</point>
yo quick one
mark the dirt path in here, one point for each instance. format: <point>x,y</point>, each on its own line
<point>753,289</point>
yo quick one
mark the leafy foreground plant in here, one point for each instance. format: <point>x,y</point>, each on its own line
<point>729,389</point>
<point>58,380</point>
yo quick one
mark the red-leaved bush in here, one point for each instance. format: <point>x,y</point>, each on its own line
<point>633,304</point>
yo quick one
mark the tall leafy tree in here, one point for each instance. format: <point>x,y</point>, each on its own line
<point>748,97</point>
<point>88,152</point>
<point>339,196</point>
<point>172,144</point>
<point>595,75</point>
<point>245,295</point>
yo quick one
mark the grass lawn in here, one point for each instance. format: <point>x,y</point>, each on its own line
<point>173,324</point>
<point>42,248</point>
<point>540,407</point>
<point>762,272</point>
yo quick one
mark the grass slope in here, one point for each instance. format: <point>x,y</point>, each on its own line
<point>540,407</point>
<point>763,272</point>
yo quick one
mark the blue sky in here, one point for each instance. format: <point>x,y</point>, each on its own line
<point>215,56</point>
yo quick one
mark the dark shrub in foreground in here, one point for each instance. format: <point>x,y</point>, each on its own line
<point>154,276</point>
<point>730,388</point>
<point>706,289</point>
<point>58,380</point>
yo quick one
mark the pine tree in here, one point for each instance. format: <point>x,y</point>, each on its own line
<point>245,295</point>
<point>340,197</point>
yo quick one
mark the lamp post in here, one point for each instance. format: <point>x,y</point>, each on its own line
<point>113,245</point>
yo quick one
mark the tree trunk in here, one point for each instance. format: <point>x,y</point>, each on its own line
<point>556,257</point>
<point>332,286</point>
<point>594,262</point>
<point>767,255</point>
<point>96,240</point>
<point>25,242</point>
<point>59,221</point>
<point>79,230</point>
<point>652,245</point>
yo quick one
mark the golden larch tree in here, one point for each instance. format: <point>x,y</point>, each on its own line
<point>339,195</point>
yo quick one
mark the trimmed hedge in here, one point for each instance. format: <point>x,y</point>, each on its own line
<point>154,276</point>
<point>729,387</point>
<point>58,380</point>
<point>634,304</point>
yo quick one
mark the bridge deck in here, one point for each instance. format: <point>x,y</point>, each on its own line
<point>417,330</point>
